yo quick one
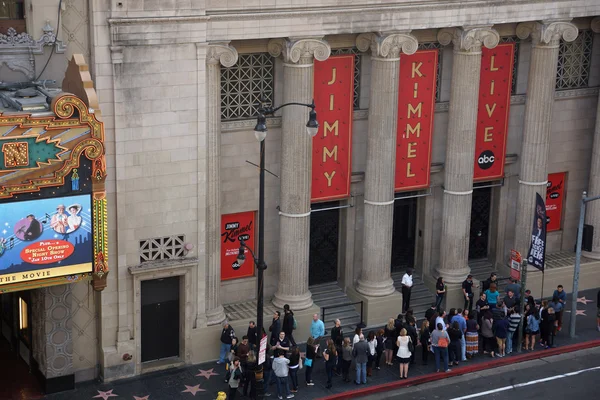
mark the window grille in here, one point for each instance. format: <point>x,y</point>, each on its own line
<point>574,61</point>
<point>438,80</point>
<point>357,65</point>
<point>163,248</point>
<point>517,42</point>
<point>243,84</point>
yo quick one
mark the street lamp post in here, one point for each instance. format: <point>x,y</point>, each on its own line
<point>260,131</point>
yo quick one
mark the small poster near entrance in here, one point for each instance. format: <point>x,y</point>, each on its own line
<point>236,227</point>
<point>515,264</point>
<point>45,238</point>
<point>262,352</point>
<point>555,190</point>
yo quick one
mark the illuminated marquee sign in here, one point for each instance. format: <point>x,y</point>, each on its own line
<point>332,147</point>
<point>492,115</point>
<point>416,102</point>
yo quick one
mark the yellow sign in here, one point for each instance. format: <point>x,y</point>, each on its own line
<point>45,273</point>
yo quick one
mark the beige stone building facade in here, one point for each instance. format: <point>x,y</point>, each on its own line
<point>178,84</point>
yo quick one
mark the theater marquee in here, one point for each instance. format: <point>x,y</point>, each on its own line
<point>416,102</point>
<point>332,147</point>
<point>492,115</point>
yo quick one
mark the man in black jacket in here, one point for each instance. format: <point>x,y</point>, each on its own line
<point>412,333</point>
<point>275,328</point>
<point>252,336</point>
<point>288,323</point>
<point>227,336</point>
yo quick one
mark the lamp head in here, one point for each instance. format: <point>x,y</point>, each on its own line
<point>312,126</point>
<point>260,130</point>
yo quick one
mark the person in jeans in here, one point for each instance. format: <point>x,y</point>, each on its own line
<point>288,323</point>
<point>467,288</point>
<point>227,335</point>
<point>294,364</point>
<point>439,343</point>
<point>346,359</point>
<point>424,340</point>
<point>513,325</point>
<point>561,295</point>
<point>308,362</point>
<point>317,329</point>
<point>462,324</point>
<point>440,291</point>
<point>361,357</point>
<point>281,370</point>
<point>330,356</point>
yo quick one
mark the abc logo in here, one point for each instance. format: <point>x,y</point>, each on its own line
<point>486,159</point>
<point>555,195</point>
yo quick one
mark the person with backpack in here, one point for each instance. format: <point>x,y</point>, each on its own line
<point>289,323</point>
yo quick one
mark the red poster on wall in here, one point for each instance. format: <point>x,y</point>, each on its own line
<point>332,147</point>
<point>555,190</point>
<point>416,102</point>
<point>492,115</point>
<point>236,227</point>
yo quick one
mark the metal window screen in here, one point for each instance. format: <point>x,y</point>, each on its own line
<point>243,84</point>
<point>517,42</point>
<point>574,61</point>
<point>438,80</point>
<point>163,248</point>
<point>357,62</point>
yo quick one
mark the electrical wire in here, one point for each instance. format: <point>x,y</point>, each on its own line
<point>53,43</point>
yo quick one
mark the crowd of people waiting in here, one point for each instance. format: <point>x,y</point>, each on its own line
<point>489,327</point>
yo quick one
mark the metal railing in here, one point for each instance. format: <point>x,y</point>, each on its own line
<point>324,309</point>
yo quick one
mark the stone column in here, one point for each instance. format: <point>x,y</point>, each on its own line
<point>541,84</point>
<point>592,215</point>
<point>218,54</point>
<point>375,278</point>
<point>296,168</point>
<point>460,149</point>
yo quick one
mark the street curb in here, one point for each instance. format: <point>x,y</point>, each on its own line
<point>498,362</point>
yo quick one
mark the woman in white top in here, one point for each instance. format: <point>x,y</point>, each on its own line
<point>357,333</point>
<point>403,353</point>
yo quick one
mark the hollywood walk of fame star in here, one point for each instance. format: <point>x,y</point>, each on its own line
<point>141,398</point>
<point>193,389</point>
<point>578,312</point>
<point>583,300</point>
<point>207,373</point>
<point>105,395</point>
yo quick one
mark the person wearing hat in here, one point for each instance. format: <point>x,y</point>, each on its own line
<point>407,284</point>
<point>74,220</point>
<point>59,220</point>
<point>467,288</point>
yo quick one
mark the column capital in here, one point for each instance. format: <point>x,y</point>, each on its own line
<point>387,45</point>
<point>596,25</point>
<point>221,53</point>
<point>469,39</point>
<point>299,51</point>
<point>547,33</point>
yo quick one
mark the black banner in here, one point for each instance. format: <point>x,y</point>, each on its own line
<point>537,249</point>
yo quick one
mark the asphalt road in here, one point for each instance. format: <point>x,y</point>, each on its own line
<point>563,377</point>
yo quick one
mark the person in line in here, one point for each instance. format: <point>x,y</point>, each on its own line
<point>488,334</point>
<point>252,336</point>
<point>337,335</point>
<point>514,287</point>
<point>425,341</point>
<point>510,302</point>
<point>439,342</point>
<point>548,324</point>
<point>532,330</point>
<point>275,328</point>
<point>357,333</point>
<point>451,315</point>
<point>488,282</point>
<point>462,324</point>
<point>482,306</point>
<point>250,376</point>
<point>233,377</point>
<point>360,352</point>
<point>398,324</point>
<point>281,370</point>
<point>404,352</point>
<point>283,343</point>
<point>289,323</point>
<point>407,284</point>
<point>455,335</point>
<point>346,359</point>
<point>529,300</point>
<point>501,332</point>
<point>558,310</point>
<point>227,335</point>
<point>317,330</point>
<point>330,356</point>
<point>513,325</point>
<point>430,311</point>
<point>432,323</point>
<point>561,295</point>
<point>233,352</point>
<point>492,295</point>
<point>372,342</point>
<point>308,362</point>
<point>390,337</point>
<point>440,319</point>
<point>440,291</point>
<point>411,331</point>
<point>472,336</point>
<point>241,352</point>
<point>499,312</point>
<point>294,366</point>
<point>467,288</point>
<point>380,348</point>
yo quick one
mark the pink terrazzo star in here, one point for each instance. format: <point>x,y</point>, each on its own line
<point>141,398</point>
<point>104,395</point>
<point>207,373</point>
<point>580,312</point>
<point>193,389</point>
<point>583,300</point>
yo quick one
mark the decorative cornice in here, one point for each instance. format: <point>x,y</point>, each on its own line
<point>573,93</point>
<point>157,20</point>
<point>222,53</point>
<point>15,43</point>
<point>387,45</point>
<point>595,25</point>
<point>469,39</point>
<point>299,51</point>
<point>547,33</point>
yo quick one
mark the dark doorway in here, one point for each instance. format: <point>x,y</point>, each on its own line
<point>480,223</point>
<point>403,237</point>
<point>160,319</point>
<point>324,239</point>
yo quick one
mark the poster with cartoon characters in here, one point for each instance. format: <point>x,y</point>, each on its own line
<point>45,238</point>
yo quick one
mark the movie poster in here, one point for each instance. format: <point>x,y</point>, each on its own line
<point>45,238</point>
<point>537,249</point>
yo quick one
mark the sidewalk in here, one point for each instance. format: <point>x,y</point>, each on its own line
<point>201,382</point>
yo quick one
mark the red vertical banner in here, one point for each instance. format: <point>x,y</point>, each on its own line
<point>416,106</point>
<point>555,193</point>
<point>236,227</point>
<point>332,147</point>
<point>492,114</point>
